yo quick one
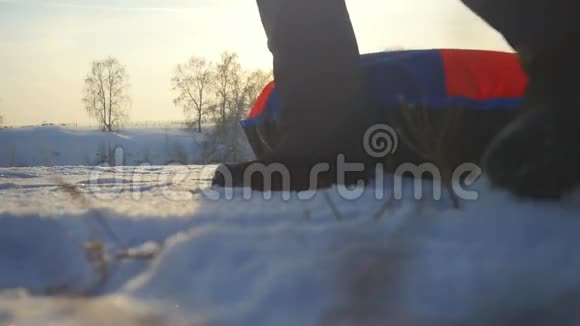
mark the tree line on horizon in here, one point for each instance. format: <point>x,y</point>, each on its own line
<point>220,92</point>
<point>206,91</point>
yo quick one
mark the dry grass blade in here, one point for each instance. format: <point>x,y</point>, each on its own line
<point>332,206</point>
<point>76,193</point>
<point>96,253</point>
<point>386,206</point>
<point>430,143</point>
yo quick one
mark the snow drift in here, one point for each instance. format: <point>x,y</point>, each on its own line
<point>496,261</point>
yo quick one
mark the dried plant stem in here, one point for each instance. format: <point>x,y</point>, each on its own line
<point>332,206</point>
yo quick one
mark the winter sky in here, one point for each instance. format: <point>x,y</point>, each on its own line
<point>46,46</point>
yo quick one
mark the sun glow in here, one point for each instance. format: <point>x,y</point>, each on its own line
<point>46,47</point>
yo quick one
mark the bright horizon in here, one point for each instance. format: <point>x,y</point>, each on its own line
<point>46,46</point>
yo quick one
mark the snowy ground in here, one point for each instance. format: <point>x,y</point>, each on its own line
<point>57,146</point>
<point>154,245</point>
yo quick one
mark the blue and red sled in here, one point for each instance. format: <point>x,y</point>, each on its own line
<point>434,79</point>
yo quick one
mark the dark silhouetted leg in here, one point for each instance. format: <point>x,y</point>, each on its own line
<point>319,81</point>
<point>539,154</point>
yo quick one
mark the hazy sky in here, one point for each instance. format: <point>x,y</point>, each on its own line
<point>46,46</point>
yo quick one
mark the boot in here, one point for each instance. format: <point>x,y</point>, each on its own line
<point>538,155</point>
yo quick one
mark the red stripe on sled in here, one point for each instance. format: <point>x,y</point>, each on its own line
<point>262,101</point>
<point>483,75</point>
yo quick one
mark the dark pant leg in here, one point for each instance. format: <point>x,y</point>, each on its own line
<point>537,154</point>
<point>320,86</point>
<point>533,24</point>
<point>318,75</point>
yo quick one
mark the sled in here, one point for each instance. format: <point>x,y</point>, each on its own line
<point>488,85</point>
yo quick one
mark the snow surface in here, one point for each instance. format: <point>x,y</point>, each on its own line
<point>176,254</point>
<point>57,146</point>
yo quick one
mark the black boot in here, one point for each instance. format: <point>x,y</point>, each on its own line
<point>538,155</point>
<point>290,176</point>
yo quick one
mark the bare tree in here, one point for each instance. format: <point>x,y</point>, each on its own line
<point>227,74</point>
<point>1,117</point>
<point>105,96</point>
<point>224,91</point>
<point>247,85</point>
<point>257,81</point>
<point>192,82</point>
